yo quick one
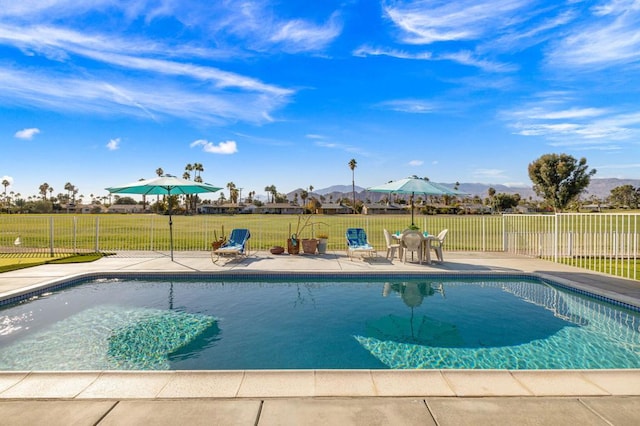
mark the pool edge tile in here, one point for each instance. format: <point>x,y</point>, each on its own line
<point>344,383</point>
<point>420,383</point>
<point>274,383</point>
<point>127,384</point>
<point>616,382</point>
<point>203,384</point>
<point>557,383</point>
<point>51,385</point>
<point>484,383</point>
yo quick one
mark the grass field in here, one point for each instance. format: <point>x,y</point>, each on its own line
<point>611,241</point>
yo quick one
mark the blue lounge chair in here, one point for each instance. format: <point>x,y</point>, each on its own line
<point>357,242</point>
<point>235,246</point>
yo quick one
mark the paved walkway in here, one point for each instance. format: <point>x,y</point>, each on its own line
<point>442,397</point>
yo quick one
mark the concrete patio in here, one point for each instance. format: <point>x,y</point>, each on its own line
<point>442,397</point>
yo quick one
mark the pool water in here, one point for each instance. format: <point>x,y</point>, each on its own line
<point>185,324</point>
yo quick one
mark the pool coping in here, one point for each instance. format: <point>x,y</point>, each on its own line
<point>232,384</point>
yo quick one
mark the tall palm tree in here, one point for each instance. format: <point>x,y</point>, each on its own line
<point>352,165</point>
<point>271,189</point>
<point>5,183</point>
<point>43,190</point>
<point>198,168</point>
<point>232,190</point>
<point>159,172</point>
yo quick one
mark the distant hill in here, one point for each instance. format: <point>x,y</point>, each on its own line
<point>600,188</point>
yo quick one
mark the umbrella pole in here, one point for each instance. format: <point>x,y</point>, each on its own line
<point>412,222</point>
<point>170,223</point>
<point>170,234</point>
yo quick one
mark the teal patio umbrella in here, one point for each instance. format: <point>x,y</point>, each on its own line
<point>164,185</point>
<point>412,186</point>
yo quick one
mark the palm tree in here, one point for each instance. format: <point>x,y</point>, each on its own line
<point>5,183</point>
<point>232,189</point>
<point>352,165</point>
<point>271,189</point>
<point>43,190</point>
<point>51,192</point>
<point>304,195</point>
<point>159,172</point>
<point>198,168</point>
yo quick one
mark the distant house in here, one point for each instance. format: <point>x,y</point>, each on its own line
<point>382,208</point>
<point>329,208</point>
<point>125,208</point>
<point>91,208</point>
<point>280,208</point>
<point>227,208</point>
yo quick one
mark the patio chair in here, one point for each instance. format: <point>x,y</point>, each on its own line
<point>235,246</point>
<point>437,244</point>
<point>357,242</point>
<point>412,242</point>
<point>391,246</point>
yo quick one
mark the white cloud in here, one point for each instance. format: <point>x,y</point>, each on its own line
<point>425,22</point>
<point>27,133</point>
<point>226,147</point>
<point>489,174</point>
<point>8,179</point>
<point>416,163</point>
<point>414,106</point>
<point>136,96</point>
<point>364,51</point>
<point>608,38</point>
<point>113,144</point>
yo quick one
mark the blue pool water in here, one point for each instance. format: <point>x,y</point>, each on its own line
<point>204,324</point>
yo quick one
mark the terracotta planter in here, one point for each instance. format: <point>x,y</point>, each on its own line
<point>293,248</point>
<point>309,246</point>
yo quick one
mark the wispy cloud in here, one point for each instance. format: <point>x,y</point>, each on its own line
<point>133,96</point>
<point>423,22</point>
<point>27,133</point>
<point>487,174</point>
<point>364,51</point>
<point>416,163</point>
<point>581,127</point>
<point>607,38</point>
<point>413,106</point>
<point>226,147</point>
<point>113,144</point>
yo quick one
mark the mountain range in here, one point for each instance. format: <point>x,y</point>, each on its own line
<point>600,188</point>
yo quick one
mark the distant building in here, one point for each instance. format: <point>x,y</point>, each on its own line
<point>280,208</point>
<point>382,208</point>
<point>329,208</point>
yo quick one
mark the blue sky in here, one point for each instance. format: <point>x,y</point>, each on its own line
<point>103,92</point>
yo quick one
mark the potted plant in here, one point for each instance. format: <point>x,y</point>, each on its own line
<point>218,242</point>
<point>322,242</point>
<point>309,245</point>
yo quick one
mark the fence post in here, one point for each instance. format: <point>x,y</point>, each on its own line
<point>505,245</point>
<point>97,233</point>
<point>51,235</point>
<point>484,234</point>
<point>555,238</point>
<point>75,235</point>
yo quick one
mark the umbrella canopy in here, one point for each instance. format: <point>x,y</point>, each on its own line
<point>414,185</point>
<point>164,185</point>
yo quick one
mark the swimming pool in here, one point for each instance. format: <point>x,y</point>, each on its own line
<point>316,322</point>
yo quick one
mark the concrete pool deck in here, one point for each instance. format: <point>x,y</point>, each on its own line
<point>441,397</point>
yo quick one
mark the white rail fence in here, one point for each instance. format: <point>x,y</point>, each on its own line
<point>602,242</point>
